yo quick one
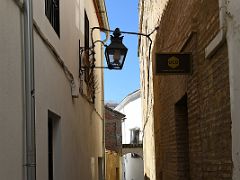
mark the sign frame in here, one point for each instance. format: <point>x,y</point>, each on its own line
<point>181,63</point>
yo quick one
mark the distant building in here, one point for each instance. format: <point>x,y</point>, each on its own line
<point>132,137</point>
<point>191,122</point>
<point>113,143</point>
<point>113,166</point>
<point>111,105</point>
<point>113,130</point>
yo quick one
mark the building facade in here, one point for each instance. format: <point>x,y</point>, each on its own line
<point>113,143</point>
<point>190,121</point>
<point>113,166</point>
<point>113,130</point>
<point>132,161</point>
<point>64,139</point>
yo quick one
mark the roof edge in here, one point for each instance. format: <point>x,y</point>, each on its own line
<point>115,111</point>
<point>101,12</point>
<point>129,98</point>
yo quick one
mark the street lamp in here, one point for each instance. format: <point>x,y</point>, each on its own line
<point>116,52</point>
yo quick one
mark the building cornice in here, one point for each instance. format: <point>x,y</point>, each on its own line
<point>101,12</point>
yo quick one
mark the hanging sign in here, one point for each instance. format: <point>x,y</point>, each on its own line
<point>173,63</point>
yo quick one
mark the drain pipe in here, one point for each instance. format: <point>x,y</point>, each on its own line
<point>30,146</point>
<point>221,36</point>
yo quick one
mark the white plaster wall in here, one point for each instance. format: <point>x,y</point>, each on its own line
<point>133,119</point>
<point>133,168</point>
<point>11,91</point>
<point>80,128</point>
<point>71,30</point>
<point>131,107</point>
<point>233,40</point>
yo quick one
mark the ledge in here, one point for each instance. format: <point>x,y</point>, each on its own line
<point>132,146</point>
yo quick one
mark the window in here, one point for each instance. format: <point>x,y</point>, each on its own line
<point>53,146</point>
<point>52,13</point>
<point>181,120</point>
<point>100,168</point>
<point>134,136</point>
<point>50,149</point>
<point>86,31</point>
<point>89,73</point>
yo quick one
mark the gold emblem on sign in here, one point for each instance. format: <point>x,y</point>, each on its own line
<point>173,62</point>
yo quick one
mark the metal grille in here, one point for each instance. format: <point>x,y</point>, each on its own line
<point>86,24</point>
<point>52,13</point>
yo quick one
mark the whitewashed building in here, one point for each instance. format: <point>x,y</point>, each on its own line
<point>132,137</point>
<point>51,119</point>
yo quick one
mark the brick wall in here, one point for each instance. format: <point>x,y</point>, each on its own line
<point>204,151</point>
<point>113,130</point>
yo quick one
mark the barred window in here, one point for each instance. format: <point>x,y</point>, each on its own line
<point>52,13</point>
<point>86,33</point>
<point>134,136</point>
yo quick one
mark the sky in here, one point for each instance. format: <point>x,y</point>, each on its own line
<point>119,83</point>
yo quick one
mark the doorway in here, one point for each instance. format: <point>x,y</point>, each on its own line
<point>182,138</point>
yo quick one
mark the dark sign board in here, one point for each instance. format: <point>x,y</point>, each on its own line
<point>173,63</point>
